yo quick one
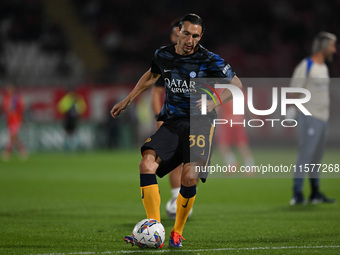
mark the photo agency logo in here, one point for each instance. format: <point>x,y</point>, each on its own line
<point>239,102</point>
<point>204,97</point>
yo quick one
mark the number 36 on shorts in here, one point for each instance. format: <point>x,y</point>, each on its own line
<point>197,140</point>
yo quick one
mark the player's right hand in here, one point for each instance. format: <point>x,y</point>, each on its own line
<point>119,108</point>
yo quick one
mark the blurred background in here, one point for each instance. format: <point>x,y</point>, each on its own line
<point>93,52</point>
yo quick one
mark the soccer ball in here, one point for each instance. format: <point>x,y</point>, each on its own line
<point>171,207</point>
<point>149,233</point>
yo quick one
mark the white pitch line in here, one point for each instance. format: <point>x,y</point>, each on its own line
<point>194,250</point>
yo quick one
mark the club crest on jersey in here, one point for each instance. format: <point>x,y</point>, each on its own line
<point>192,74</point>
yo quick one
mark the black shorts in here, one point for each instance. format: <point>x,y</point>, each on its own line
<point>175,143</point>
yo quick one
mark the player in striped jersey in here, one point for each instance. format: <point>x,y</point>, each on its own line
<point>173,141</point>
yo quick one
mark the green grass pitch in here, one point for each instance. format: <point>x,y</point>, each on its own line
<point>84,203</point>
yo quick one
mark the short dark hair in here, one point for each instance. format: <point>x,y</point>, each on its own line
<point>192,18</point>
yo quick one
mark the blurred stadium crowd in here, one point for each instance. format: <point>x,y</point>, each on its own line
<point>33,48</point>
<point>259,38</point>
<point>107,45</point>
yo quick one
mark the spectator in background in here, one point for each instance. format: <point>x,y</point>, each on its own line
<point>72,106</point>
<point>13,108</point>
<point>312,74</point>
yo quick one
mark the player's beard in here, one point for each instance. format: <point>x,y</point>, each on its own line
<point>189,47</point>
<point>185,49</point>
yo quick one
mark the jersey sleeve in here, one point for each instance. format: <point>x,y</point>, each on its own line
<point>299,75</point>
<point>159,82</point>
<point>155,64</point>
<point>220,68</point>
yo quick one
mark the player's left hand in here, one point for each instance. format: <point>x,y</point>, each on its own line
<point>210,105</point>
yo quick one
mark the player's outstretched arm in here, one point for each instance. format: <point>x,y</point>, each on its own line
<point>144,83</point>
<point>226,95</point>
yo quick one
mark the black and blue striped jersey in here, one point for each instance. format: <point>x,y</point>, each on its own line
<point>178,71</point>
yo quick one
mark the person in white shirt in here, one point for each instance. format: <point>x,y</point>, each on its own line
<point>312,74</point>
